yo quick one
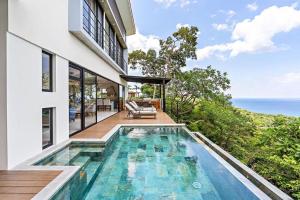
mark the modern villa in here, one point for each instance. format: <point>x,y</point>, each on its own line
<point>64,131</point>
<point>61,70</point>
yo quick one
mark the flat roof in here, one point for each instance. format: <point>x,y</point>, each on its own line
<point>145,79</point>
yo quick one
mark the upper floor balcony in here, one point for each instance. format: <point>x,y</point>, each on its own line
<point>99,24</point>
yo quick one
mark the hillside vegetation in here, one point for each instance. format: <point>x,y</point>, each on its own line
<point>268,144</point>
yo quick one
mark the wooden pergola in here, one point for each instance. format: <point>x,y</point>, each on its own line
<point>151,80</point>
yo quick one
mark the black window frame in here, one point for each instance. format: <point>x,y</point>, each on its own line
<point>51,127</point>
<point>50,72</point>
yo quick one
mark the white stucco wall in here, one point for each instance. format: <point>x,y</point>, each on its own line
<point>3,125</point>
<point>26,100</point>
<point>45,23</point>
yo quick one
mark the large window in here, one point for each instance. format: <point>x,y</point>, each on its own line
<point>107,98</point>
<point>75,100</point>
<point>92,98</point>
<point>89,98</point>
<point>47,124</point>
<point>47,69</point>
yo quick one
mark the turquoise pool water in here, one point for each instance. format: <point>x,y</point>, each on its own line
<point>147,163</point>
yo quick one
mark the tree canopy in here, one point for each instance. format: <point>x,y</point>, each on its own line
<point>172,56</point>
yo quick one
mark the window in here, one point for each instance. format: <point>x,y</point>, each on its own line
<point>75,99</point>
<point>89,99</point>
<point>47,72</point>
<point>47,124</point>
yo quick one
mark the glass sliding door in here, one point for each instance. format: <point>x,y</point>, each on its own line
<point>121,97</point>
<point>92,98</point>
<point>107,98</point>
<point>89,99</point>
<point>75,100</point>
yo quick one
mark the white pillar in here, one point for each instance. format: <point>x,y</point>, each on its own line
<point>3,83</point>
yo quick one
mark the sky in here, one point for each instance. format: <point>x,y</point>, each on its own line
<point>256,42</point>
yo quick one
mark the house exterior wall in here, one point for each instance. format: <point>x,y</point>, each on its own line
<point>45,23</point>
<point>26,100</point>
<point>3,120</point>
<point>31,27</point>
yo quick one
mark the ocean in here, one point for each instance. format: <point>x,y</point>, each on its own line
<point>289,107</point>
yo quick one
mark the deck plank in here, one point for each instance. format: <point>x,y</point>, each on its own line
<point>30,183</point>
<point>16,196</point>
<point>23,185</point>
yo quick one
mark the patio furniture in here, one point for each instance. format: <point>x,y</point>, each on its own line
<point>139,114</point>
<point>139,108</point>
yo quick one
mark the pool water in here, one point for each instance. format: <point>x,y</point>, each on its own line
<point>147,163</point>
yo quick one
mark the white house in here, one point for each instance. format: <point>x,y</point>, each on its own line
<point>60,67</point>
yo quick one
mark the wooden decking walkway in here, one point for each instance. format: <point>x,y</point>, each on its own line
<point>23,185</point>
<point>101,128</point>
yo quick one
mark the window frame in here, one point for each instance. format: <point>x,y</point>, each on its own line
<point>50,72</point>
<point>51,127</point>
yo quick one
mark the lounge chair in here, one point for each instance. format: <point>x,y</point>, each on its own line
<point>139,108</point>
<point>139,114</point>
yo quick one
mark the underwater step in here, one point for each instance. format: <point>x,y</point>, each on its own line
<point>81,161</point>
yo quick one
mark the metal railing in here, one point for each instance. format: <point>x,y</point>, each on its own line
<point>94,27</point>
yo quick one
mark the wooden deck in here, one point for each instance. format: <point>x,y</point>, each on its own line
<point>23,185</point>
<point>101,128</point>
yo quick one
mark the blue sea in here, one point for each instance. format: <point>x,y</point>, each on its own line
<point>289,107</point>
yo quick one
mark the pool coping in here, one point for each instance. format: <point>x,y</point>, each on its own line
<point>229,162</point>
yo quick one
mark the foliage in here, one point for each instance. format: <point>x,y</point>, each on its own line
<point>197,84</point>
<point>148,91</point>
<point>172,56</point>
<point>268,144</point>
<point>170,59</point>
<point>224,124</point>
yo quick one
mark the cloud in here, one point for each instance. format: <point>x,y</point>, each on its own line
<point>220,27</point>
<point>166,3</point>
<point>184,3</point>
<point>252,6</point>
<point>251,36</point>
<point>230,14</point>
<point>181,3</point>
<point>143,42</point>
<point>288,78</point>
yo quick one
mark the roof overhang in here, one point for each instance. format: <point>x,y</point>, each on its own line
<point>125,10</point>
<point>143,79</point>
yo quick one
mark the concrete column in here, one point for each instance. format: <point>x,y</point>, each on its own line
<point>3,83</point>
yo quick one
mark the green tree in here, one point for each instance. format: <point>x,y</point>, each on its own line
<point>189,87</point>
<point>172,56</point>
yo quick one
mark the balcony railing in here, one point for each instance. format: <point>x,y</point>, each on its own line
<point>94,27</point>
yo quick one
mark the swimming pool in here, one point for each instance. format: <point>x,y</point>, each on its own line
<point>149,163</point>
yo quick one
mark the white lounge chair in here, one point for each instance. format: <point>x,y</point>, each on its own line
<point>139,108</point>
<point>139,114</point>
